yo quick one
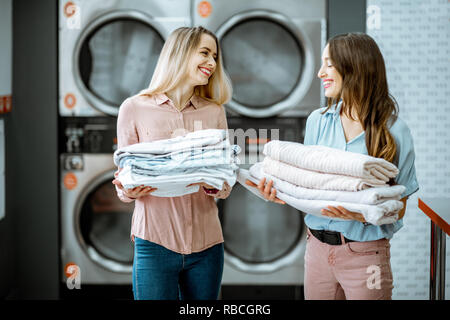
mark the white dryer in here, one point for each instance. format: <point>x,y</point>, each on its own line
<point>271,51</point>
<point>264,242</point>
<point>95,224</point>
<point>108,50</point>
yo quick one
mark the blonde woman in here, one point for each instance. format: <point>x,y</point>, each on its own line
<point>178,241</point>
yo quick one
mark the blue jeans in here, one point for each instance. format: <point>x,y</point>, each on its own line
<point>162,274</point>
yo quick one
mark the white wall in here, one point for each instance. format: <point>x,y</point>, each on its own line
<point>414,39</point>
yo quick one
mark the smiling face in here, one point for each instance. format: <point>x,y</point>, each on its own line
<point>331,78</point>
<point>203,61</point>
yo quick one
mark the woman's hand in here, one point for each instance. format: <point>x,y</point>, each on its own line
<point>137,192</point>
<point>266,191</point>
<point>342,213</point>
<point>213,192</point>
<point>222,194</point>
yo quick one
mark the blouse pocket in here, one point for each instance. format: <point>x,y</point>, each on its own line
<point>154,134</point>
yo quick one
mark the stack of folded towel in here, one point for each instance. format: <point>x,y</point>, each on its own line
<point>171,165</point>
<point>310,178</point>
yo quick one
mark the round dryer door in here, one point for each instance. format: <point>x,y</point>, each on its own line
<point>259,236</point>
<point>103,225</point>
<point>115,57</point>
<point>269,61</point>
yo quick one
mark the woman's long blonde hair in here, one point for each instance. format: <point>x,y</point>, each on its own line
<point>358,60</point>
<point>173,62</point>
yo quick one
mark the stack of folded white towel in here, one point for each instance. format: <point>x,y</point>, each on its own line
<point>171,165</point>
<point>310,178</point>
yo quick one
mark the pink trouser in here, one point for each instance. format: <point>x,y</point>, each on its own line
<point>352,271</point>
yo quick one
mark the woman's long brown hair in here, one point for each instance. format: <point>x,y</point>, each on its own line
<point>365,92</point>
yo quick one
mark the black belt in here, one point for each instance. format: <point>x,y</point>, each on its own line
<point>330,237</point>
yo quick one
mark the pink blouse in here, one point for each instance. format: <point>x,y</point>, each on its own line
<point>185,224</point>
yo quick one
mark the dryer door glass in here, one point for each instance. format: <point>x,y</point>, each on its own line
<point>105,224</point>
<point>118,58</point>
<point>256,231</point>
<point>264,61</point>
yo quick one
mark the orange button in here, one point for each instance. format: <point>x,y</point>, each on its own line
<point>70,100</point>
<point>70,181</point>
<point>204,9</point>
<point>69,9</point>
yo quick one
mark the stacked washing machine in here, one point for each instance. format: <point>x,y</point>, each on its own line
<point>272,52</point>
<point>108,50</point>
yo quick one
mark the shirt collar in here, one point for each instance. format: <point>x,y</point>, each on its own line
<point>198,101</point>
<point>161,98</point>
<point>335,109</point>
<point>195,101</point>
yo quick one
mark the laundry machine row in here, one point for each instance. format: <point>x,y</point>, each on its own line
<point>264,242</point>
<point>271,49</point>
<point>107,52</point>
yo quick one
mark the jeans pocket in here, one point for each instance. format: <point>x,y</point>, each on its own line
<point>364,249</point>
<point>145,248</point>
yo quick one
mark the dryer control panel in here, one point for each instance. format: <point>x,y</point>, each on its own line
<point>98,134</point>
<point>252,134</point>
<point>87,135</point>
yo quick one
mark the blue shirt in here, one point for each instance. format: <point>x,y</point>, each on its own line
<point>326,130</point>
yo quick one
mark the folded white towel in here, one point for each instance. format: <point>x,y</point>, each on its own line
<point>171,164</point>
<point>367,196</point>
<point>177,185</point>
<point>383,213</point>
<point>379,214</point>
<point>145,150</point>
<point>330,160</point>
<point>207,137</point>
<point>316,180</point>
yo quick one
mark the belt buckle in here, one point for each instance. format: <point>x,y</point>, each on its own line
<point>334,238</point>
<point>318,234</point>
<point>328,237</point>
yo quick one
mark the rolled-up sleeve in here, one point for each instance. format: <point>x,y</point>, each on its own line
<point>126,135</point>
<point>406,158</point>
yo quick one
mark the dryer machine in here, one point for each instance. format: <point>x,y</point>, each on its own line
<point>95,224</point>
<point>264,242</point>
<point>108,50</point>
<point>271,51</point>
